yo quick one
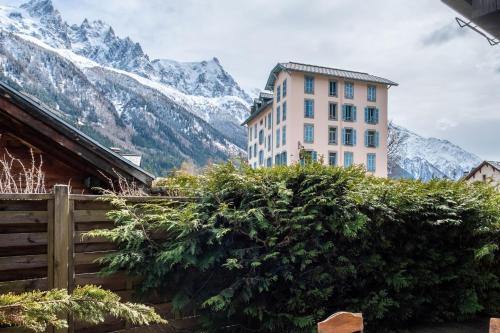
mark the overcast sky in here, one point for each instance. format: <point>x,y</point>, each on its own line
<point>449,78</point>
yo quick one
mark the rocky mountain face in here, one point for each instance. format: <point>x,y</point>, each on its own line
<point>428,158</point>
<point>108,87</point>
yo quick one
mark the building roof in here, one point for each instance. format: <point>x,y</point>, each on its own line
<point>494,164</point>
<point>257,109</point>
<point>334,72</point>
<point>103,158</point>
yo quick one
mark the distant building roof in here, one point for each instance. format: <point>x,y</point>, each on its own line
<point>493,164</point>
<point>335,72</point>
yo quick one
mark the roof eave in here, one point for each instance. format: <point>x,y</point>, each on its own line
<point>48,116</point>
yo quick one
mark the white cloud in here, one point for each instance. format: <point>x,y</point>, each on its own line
<point>444,72</point>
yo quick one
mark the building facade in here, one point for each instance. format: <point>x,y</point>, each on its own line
<point>486,172</point>
<point>319,113</point>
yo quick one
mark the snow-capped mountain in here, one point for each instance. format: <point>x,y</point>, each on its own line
<point>170,111</point>
<point>428,158</point>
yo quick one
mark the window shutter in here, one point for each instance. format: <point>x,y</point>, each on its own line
<point>315,155</point>
<point>344,112</point>
<point>366,138</point>
<point>377,139</point>
<point>376,115</point>
<point>366,115</point>
<point>353,137</point>
<point>353,113</point>
<point>343,136</point>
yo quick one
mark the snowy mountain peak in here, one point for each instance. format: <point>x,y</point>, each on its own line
<point>427,158</point>
<point>39,8</point>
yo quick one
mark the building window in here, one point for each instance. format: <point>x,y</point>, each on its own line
<point>283,134</point>
<point>308,108</point>
<point>349,90</point>
<point>332,135</point>
<point>284,158</point>
<point>348,112</point>
<point>278,94</point>
<point>254,150</point>
<point>372,93</point>
<point>284,88</point>
<point>371,162</point>
<point>255,131</point>
<point>278,115</point>
<point>332,158</point>
<point>269,162</point>
<point>348,159</point>
<point>250,153</point>
<point>284,111</point>
<point>277,159</point>
<point>308,133</point>
<point>250,131</point>
<point>332,88</point>
<point>349,136</point>
<point>332,111</point>
<point>309,85</point>
<point>309,156</point>
<point>269,119</point>
<point>261,157</point>
<point>261,136</point>
<point>371,139</point>
<point>269,142</point>
<point>371,115</point>
<point>278,138</point>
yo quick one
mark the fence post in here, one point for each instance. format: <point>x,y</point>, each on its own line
<point>62,243</point>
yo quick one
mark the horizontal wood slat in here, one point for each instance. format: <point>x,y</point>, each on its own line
<point>8,217</point>
<point>80,216</point>
<point>23,285</point>
<point>23,262</point>
<point>23,239</point>
<point>90,257</point>
<point>113,282</point>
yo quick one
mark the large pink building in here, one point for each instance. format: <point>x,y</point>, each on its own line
<point>320,113</point>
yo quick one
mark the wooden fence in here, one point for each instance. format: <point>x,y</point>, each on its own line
<point>41,247</point>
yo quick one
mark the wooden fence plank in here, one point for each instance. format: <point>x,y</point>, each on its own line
<point>23,285</point>
<point>23,262</point>
<point>63,241</point>
<point>114,282</point>
<point>90,257</point>
<point>9,217</point>
<point>80,216</point>
<point>23,239</point>
<point>23,196</point>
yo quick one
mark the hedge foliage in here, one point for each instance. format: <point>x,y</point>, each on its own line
<point>277,250</point>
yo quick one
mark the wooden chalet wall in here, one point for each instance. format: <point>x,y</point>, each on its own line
<point>41,247</point>
<point>55,170</point>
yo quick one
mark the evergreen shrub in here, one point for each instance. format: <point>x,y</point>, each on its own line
<point>277,250</point>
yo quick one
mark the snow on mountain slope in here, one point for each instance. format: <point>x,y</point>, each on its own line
<point>107,85</point>
<point>226,104</point>
<point>427,158</point>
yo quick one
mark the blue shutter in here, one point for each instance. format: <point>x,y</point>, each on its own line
<point>376,115</point>
<point>353,137</point>
<point>377,138</point>
<point>314,155</point>
<point>343,136</point>
<point>353,113</point>
<point>366,138</point>
<point>366,114</point>
<point>344,112</point>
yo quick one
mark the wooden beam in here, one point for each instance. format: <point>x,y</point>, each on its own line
<point>63,241</point>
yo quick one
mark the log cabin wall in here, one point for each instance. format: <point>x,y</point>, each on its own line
<point>55,171</point>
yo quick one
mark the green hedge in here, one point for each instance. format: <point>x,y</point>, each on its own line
<point>277,250</point>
